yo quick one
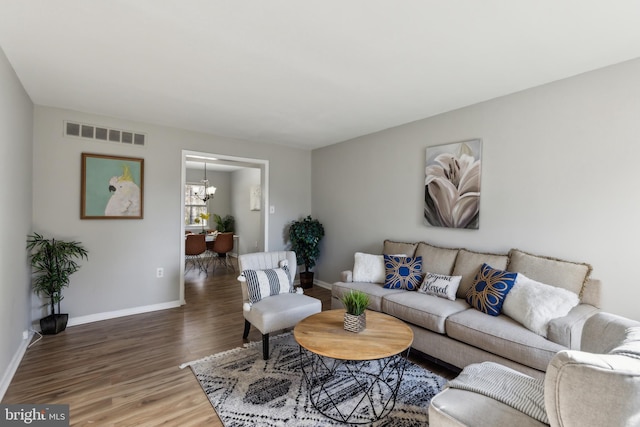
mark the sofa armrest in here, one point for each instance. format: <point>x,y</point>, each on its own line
<point>605,331</point>
<point>581,389</point>
<point>567,330</point>
<point>346,276</point>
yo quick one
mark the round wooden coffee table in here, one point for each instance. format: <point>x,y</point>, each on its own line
<point>353,377</point>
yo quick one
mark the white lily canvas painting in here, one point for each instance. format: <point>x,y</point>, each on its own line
<point>452,185</point>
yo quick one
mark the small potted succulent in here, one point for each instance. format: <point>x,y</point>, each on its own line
<point>355,304</point>
<point>53,261</point>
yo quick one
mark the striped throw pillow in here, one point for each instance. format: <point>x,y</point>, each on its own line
<point>264,283</point>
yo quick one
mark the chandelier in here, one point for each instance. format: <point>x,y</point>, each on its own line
<point>209,190</point>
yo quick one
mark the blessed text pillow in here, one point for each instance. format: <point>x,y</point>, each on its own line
<point>440,285</point>
<point>264,283</point>
<point>535,304</point>
<point>490,289</point>
<point>402,272</point>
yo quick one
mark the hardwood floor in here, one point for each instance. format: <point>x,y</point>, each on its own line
<point>125,371</point>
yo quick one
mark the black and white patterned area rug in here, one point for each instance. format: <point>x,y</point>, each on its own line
<point>246,390</point>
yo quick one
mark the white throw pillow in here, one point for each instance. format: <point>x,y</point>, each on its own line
<point>368,268</point>
<point>535,304</point>
<point>440,285</point>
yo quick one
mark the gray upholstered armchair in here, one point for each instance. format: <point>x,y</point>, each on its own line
<point>598,386</point>
<point>275,312</point>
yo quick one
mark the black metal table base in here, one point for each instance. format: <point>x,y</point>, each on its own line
<point>353,392</point>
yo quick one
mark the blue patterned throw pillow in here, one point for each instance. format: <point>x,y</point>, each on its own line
<point>489,289</point>
<point>402,272</point>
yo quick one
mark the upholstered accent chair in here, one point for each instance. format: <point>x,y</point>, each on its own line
<point>597,386</point>
<point>273,312</point>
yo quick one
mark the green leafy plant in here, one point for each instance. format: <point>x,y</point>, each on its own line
<point>226,224</point>
<point>305,236</point>
<point>355,302</point>
<point>53,262</point>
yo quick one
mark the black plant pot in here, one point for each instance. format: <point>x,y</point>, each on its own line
<point>53,323</point>
<point>306,279</point>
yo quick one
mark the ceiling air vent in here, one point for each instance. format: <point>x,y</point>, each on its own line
<point>101,133</point>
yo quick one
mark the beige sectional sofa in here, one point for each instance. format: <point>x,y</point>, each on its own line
<point>597,386</point>
<point>453,332</point>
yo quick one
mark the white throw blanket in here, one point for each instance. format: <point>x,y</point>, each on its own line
<point>505,385</point>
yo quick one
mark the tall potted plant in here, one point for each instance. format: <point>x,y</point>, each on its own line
<point>305,236</point>
<point>53,262</point>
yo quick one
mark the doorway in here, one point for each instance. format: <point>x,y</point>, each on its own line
<point>239,168</point>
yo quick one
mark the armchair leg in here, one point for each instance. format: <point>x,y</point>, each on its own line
<point>247,326</point>
<point>265,346</point>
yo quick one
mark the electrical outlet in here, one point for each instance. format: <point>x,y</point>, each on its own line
<point>272,209</point>
<point>160,272</point>
<point>25,335</point>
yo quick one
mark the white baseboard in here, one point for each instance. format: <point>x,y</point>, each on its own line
<point>13,365</point>
<point>322,284</point>
<point>73,321</point>
<point>319,283</point>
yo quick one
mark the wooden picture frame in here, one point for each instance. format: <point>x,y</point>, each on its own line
<point>112,187</point>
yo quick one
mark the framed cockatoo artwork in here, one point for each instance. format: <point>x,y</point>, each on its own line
<point>112,187</point>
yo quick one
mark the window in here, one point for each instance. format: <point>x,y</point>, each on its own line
<point>194,205</point>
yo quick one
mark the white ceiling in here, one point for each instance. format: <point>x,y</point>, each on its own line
<point>304,73</point>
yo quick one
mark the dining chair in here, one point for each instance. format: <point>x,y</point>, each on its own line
<point>221,246</point>
<point>195,249</point>
<point>211,237</point>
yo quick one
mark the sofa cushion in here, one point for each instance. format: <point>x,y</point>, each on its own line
<point>427,311</point>
<point>397,248</point>
<point>490,289</point>
<point>402,272</point>
<point>535,304</point>
<point>375,291</point>
<point>440,285</point>
<point>435,259</point>
<point>502,336</point>
<point>564,274</point>
<point>454,407</point>
<point>468,264</point>
<point>368,268</point>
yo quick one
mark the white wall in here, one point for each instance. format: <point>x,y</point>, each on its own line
<point>16,148</point>
<point>247,221</point>
<point>124,254</point>
<point>559,178</point>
